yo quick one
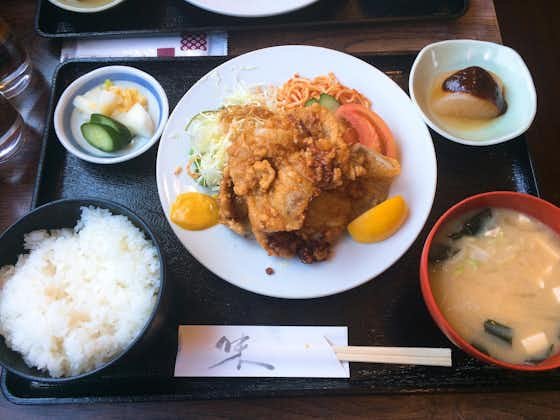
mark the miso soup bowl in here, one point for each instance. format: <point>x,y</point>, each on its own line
<point>541,210</point>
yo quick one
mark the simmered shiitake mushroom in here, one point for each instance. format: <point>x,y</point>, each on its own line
<point>471,93</point>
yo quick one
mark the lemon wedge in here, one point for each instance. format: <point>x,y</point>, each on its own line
<point>379,222</point>
<point>194,211</point>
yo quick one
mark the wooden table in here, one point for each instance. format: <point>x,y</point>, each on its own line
<point>528,27</point>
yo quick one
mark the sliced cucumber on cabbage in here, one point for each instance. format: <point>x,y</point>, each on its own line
<point>208,148</point>
<point>324,100</point>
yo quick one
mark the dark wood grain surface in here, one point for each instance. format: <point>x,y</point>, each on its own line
<point>529,27</point>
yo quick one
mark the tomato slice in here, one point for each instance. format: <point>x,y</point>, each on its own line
<point>367,135</point>
<point>354,112</point>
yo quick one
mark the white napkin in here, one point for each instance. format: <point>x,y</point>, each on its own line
<point>260,351</point>
<point>172,45</point>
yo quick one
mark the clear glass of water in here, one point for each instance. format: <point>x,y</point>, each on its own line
<point>15,67</point>
<point>12,130</point>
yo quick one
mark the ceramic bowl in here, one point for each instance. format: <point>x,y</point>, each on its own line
<point>447,56</point>
<point>65,214</point>
<point>86,8</point>
<point>68,119</point>
<point>541,210</point>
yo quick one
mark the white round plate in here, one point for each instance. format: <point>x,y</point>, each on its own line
<point>251,8</point>
<point>242,261</point>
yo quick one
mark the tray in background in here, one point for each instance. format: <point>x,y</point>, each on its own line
<point>154,17</point>
<point>387,311</point>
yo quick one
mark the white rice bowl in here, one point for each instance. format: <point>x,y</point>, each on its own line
<point>80,296</point>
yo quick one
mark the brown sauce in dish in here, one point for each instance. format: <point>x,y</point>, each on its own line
<point>477,82</point>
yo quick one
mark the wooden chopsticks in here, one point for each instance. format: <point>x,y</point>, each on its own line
<point>398,355</point>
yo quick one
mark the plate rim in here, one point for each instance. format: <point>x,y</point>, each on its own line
<point>201,5</point>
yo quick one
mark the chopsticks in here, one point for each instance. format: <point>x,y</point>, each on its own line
<point>398,355</point>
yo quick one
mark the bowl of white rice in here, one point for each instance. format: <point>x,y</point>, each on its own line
<point>81,285</point>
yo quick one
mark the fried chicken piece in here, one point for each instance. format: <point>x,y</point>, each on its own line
<point>367,182</point>
<point>233,208</point>
<point>300,177</point>
<point>326,220</point>
<point>277,194</point>
<point>282,207</point>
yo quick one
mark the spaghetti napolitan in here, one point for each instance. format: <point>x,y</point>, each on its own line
<point>298,90</point>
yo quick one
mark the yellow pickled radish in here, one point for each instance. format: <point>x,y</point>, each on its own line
<point>379,222</point>
<point>194,211</point>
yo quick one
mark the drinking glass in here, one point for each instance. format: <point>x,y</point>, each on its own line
<point>15,67</point>
<point>11,130</point>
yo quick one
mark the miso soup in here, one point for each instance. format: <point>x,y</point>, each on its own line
<point>495,275</point>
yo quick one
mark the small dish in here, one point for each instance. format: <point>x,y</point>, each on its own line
<point>541,210</point>
<point>64,214</point>
<point>446,56</point>
<point>67,120</point>
<point>85,8</point>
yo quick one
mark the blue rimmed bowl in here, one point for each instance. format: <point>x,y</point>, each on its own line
<point>68,119</point>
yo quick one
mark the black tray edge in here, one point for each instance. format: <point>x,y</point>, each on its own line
<point>38,30</point>
<point>532,165</point>
<point>109,34</point>
<point>44,140</point>
<point>362,391</point>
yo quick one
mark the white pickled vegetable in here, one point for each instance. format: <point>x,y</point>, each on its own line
<point>137,120</point>
<point>97,101</point>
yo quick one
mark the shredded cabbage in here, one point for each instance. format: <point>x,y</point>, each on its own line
<point>209,141</point>
<point>208,149</point>
<point>242,94</point>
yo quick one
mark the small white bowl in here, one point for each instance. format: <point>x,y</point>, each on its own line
<point>67,119</point>
<point>447,56</point>
<point>86,9</point>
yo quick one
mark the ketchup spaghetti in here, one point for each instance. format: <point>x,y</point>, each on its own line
<point>298,90</point>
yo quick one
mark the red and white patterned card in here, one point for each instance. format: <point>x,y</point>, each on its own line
<point>178,45</point>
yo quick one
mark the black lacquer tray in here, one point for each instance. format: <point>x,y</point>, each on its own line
<point>387,311</point>
<point>134,17</point>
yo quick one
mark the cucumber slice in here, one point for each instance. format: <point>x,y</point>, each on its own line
<point>101,136</point>
<point>310,102</point>
<point>200,115</point>
<point>124,132</point>
<point>329,102</point>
